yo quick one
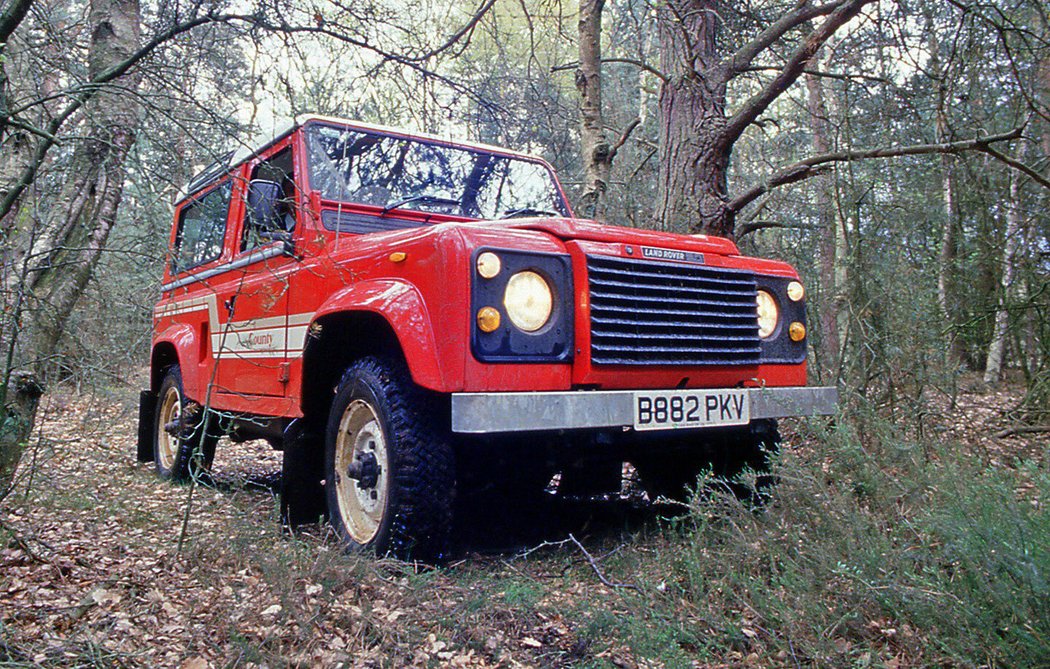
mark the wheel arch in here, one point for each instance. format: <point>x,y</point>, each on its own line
<point>179,345</point>
<point>385,318</point>
<point>332,347</point>
<point>164,356</point>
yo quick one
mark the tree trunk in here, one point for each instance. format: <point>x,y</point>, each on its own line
<point>17,414</point>
<point>597,153</point>
<point>827,212</point>
<point>993,369</point>
<point>694,158</point>
<point>81,220</point>
<point>949,236</point>
<point>77,226</point>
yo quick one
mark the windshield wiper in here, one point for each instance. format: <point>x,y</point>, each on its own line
<point>528,211</point>
<point>425,199</point>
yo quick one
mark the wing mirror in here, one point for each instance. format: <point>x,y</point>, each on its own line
<point>262,203</point>
<point>263,197</point>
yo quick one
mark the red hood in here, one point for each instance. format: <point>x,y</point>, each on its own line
<point>578,228</point>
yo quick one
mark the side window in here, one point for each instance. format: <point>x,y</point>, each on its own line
<point>202,228</point>
<point>277,173</point>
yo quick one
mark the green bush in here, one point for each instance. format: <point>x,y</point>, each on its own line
<point>875,548</point>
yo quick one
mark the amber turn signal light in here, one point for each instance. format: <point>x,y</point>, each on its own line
<point>398,256</point>
<point>797,331</point>
<point>488,319</point>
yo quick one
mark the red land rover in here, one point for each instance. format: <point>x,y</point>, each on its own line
<point>410,319</point>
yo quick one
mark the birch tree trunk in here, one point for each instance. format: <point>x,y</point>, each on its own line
<point>949,234</point>
<point>80,221</point>
<point>65,250</point>
<point>993,369</point>
<point>597,153</point>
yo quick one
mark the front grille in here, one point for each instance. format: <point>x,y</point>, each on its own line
<point>662,313</point>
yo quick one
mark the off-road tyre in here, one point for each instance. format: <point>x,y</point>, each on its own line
<point>674,473</point>
<point>183,452</point>
<point>380,416</point>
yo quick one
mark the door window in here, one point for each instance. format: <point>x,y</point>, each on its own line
<point>202,229</point>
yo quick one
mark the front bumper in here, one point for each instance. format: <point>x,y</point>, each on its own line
<point>480,413</point>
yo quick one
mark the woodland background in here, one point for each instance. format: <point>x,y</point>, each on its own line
<point>896,152</point>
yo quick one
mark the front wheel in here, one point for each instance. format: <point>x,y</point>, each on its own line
<point>389,470</point>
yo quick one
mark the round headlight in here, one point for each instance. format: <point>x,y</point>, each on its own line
<point>795,291</point>
<point>528,300</point>
<point>768,314</point>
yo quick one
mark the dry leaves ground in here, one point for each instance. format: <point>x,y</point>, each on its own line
<point>90,574</point>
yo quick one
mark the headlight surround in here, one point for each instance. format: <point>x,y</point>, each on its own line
<point>528,300</point>
<point>785,342</point>
<point>768,314</point>
<point>533,294</point>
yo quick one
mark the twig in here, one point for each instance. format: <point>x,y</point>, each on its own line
<point>598,572</point>
<point>23,543</point>
<point>545,544</point>
<point>1022,429</point>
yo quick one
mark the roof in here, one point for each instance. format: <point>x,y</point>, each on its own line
<point>228,161</point>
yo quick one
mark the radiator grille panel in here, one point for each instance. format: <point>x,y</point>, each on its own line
<point>661,313</point>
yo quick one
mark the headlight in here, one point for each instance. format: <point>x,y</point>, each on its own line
<point>768,314</point>
<point>528,300</point>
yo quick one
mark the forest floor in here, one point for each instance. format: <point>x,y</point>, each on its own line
<point>882,547</point>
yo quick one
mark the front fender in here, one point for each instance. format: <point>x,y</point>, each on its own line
<point>184,340</point>
<point>401,305</point>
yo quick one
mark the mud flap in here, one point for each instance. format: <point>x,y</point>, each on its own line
<point>302,494</point>
<point>147,416</point>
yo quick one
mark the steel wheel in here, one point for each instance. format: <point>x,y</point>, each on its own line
<point>169,412</point>
<point>361,471</point>
<point>389,468</point>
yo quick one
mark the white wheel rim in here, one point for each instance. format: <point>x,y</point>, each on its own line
<point>168,444</point>
<point>360,509</point>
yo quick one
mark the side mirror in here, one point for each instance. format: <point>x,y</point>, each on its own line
<point>262,203</point>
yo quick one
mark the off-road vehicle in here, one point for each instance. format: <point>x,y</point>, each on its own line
<point>410,318</point>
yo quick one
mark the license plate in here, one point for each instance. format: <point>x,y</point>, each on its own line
<point>674,409</point>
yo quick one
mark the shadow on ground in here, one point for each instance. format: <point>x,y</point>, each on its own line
<point>494,525</point>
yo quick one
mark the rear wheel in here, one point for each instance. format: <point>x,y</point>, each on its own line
<point>181,448</point>
<point>389,469</point>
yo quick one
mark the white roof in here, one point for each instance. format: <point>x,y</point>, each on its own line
<point>249,149</point>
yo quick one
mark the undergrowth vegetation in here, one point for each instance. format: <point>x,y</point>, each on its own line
<point>879,547</point>
<point>875,547</point>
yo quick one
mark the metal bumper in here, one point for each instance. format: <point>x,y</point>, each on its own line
<point>479,413</point>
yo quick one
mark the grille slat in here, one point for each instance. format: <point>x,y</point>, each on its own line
<point>664,313</point>
<point>628,281</point>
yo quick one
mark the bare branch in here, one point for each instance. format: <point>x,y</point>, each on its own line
<point>803,12</point>
<point>629,61</point>
<point>815,165</point>
<point>466,31</point>
<point>624,136</point>
<point>825,74</point>
<point>1021,429</point>
<point>749,228</point>
<point>597,571</point>
<point>791,71</point>
<point>1017,165</point>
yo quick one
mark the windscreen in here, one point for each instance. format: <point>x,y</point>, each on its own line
<point>368,168</point>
